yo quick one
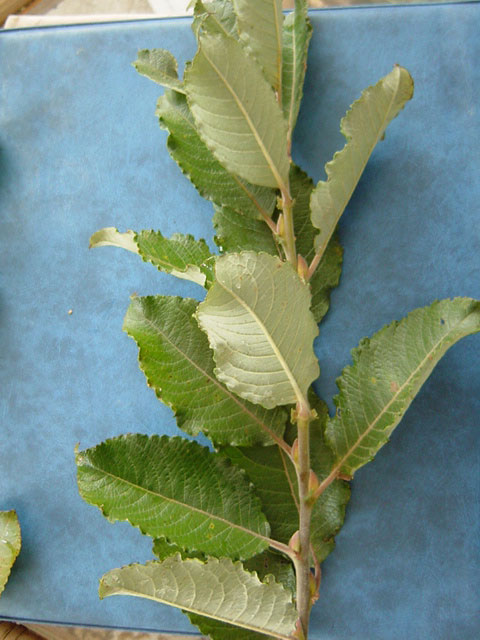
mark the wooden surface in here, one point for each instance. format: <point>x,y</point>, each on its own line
<point>7,7</point>
<point>10,631</point>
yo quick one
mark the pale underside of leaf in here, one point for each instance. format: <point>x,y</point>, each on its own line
<point>216,16</point>
<point>181,255</point>
<point>160,66</point>
<point>112,237</point>
<point>265,564</point>
<point>199,164</point>
<point>178,363</point>
<point>388,371</point>
<point>363,127</point>
<point>10,544</point>
<point>263,351</point>
<point>236,114</point>
<point>297,32</point>
<point>175,489</point>
<point>219,589</point>
<point>259,26</point>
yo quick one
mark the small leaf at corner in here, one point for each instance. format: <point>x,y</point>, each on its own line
<point>10,544</point>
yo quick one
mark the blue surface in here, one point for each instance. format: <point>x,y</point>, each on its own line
<point>80,149</point>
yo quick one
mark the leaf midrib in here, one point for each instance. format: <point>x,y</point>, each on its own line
<point>277,352</point>
<point>224,389</point>
<point>385,122</point>
<point>250,195</point>
<point>202,613</point>
<point>278,37</point>
<point>250,124</point>
<point>179,503</point>
<point>396,395</point>
<point>240,183</point>
<point>151,257</point>
<point>294,83</point>
<point>219,23</point>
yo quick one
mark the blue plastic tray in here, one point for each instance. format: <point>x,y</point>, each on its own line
<point>81,149</point>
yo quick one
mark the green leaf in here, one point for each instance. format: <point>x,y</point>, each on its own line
<point>329,511</point>
<point>275,483</point>
<point>216,630</point>
<point>259,26</point>
<point>176,489</point>
<point>326,277</point>
<point>163,549</point>
<point>216,16</point>
<point>327,274</point>
<point>297,32</point>
<point>10,544</point>
<point>263,351</point>
<point>160,66</point>
<point>236,114</point>
<point>178,363</point>
<point>181,255</point>
<point>363,126</point>
<point>218,588</point>
<point>273,476</point>
<point>387,373</point>
<point>199,164</point>
<point>237,232</point>
<point>270,563</point>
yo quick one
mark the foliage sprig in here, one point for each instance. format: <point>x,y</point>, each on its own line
<point>240,530</point>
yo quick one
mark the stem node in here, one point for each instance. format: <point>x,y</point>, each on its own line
<point>298,633</point>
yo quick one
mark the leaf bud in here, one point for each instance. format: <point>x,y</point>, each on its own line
<point>302,268</point>
<point>313,483</point>
<point>313,587</point>
<point>294,451</point>
<point>280,226</point>
<point>294,542</point>
<point>298,633</point>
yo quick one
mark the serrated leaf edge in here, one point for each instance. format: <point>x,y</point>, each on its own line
<point>79,458</point>
<point>265,331</point>
<point>272,166</point>
<point>330,166</point>
<point>171,149</point>
<point>177,411</point>
<point>269,581</point>
<point>365,343</point>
